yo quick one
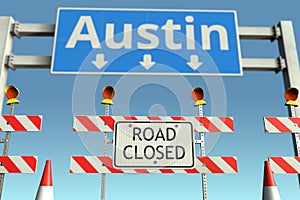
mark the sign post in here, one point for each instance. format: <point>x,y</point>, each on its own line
<point>6,44</point>
<point>11,93</point>
<point>197,96</point>
<point>291,96</point>
<point>108,94</point>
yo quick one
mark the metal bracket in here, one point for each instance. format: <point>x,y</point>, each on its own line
<point>10,62</point>
<point>281,64</point>
<point>16,31</point>
<point>110,141</point>
<point>277,33</point>
<point>198,141</point>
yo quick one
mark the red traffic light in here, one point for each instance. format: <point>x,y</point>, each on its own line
<point>108,94</point>
<point>291,96</point>
<point>197,94</point>
<point>11,92</point>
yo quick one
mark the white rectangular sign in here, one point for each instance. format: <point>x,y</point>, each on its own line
<point>149,144</point>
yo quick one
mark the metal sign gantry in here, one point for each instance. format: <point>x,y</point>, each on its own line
<point>283,33</point>
<point>287,60</point>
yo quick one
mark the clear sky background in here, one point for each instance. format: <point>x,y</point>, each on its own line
<point>58,97</point>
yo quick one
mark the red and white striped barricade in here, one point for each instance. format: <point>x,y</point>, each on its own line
<point>285,165</point>
<point>18,164</point>
<point>20,123</point>
<point>282,124</point>
<point>103,164</point>
<point>106,123</point>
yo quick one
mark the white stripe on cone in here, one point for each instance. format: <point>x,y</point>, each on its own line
<point>45,191</point>
<point>271,193</point>
<point>270,190</point>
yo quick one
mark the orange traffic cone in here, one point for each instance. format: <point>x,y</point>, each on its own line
<point>45,191</point>
<point>270,190</point>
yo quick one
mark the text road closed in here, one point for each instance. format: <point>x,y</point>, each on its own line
<point>153,144</point>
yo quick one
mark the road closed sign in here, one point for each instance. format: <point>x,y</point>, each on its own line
<point>152,144</point>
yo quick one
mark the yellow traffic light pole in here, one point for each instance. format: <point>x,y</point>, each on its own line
<point>108,94</point>
<point>11,93</point>
<point>197,96</point>
<point>291,95</point>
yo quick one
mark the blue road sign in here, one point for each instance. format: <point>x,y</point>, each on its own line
<point>141,41</point>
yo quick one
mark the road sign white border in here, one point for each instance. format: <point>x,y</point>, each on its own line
<point>154,167</point>
<point>146,73</point>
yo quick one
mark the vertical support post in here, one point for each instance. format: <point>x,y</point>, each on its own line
<point>5,149</point>
<point>6,42</point>
<point>296,136</point>
<point>288,50</point>
<point>108,94</point>
<point>197,96</point>
<point>103,180</point>
<point>202,153</point>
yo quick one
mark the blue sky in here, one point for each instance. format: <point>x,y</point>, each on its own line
<point>58,97</point>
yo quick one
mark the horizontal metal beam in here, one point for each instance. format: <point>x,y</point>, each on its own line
<point>14,62</point>
<point>259,33</point>
<point>249,64</point>
<point>263,64</point>
<point>23,29</point>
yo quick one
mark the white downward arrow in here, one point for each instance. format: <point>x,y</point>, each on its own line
<point>100,61</point>
<point>194,62</point>
<point>147,61</point>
